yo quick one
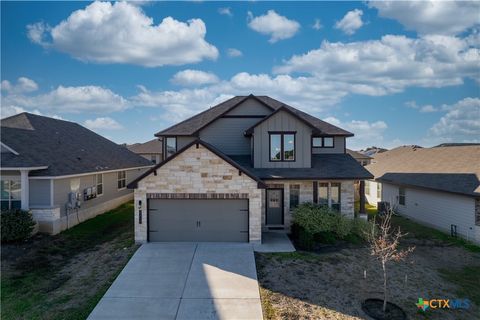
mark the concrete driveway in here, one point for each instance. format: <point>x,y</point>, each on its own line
<point>185,281</point>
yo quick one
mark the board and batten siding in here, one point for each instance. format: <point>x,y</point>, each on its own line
<point>282,121</point>
<point>39,193</point>
<point>435,209</point>
<point>62,187</point>
<point>183,141</point>
<point>250,107</point>
<point>227,135</point>
<point>338,146</point>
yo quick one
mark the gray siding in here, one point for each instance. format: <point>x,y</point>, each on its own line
<point>62,187</point>
<point>183,141</point>
<point>282,121</point>
<point>250,107</point>
<point>39,193</point>
<point>338,147</point>
<point>435,209</point>
<point>227,134</point>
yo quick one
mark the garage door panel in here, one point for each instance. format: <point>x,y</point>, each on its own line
<point>198,220</point>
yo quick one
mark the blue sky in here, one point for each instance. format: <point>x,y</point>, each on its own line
<point>392,73</point>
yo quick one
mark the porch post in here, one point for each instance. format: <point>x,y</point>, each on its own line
<point>24,193</point>
<point>362,196</point>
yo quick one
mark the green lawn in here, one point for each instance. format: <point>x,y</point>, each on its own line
<point>421,232</point>
<point>370,209</point>
<point>64,276</point>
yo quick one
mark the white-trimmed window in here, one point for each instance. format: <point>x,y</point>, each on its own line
<point>99,183</point>
<point>10,193</point>
<point>379,190</point>
<point>367,187</point>
<point>121,180</point>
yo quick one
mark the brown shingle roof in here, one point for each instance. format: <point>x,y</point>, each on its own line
<point>152,146</point>
<point>192,125</point>
<point>451,169</point>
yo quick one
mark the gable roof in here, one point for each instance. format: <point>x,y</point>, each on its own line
<point>65,147</point>
<point>152,146</point>
<point>454,169</point>
<point>194,124</point>
<point>208,146</point>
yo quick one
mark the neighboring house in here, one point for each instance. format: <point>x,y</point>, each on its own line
<point>436,186</point>
<point>241,167</point>
<point>150,150</point>
<point>372,151</point>
<point>62,172</point>
<point>363,159</point>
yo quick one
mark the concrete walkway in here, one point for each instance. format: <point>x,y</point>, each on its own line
<point>185,281</point>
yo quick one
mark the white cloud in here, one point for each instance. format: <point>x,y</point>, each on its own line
<point>234,53</point>
<point>428,108</point>
<point>366,133</point>
<point>121,33</point>
<point>351,22</point>
<point>431,17</point>
<point>63,99</point>
<point>460,124</point>
<point>193,78</point>
<point>389,65</point>
<point>103,123</point>
<point>23,85</point>
<point>274,25</point>
<point>225,11</point>
<point>317,25</point>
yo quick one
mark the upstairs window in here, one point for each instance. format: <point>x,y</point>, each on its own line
<point>121,180</point>
<point>282,146</point>
<point>153,158</point>
<point>322,142</point>
<point>170,146</point>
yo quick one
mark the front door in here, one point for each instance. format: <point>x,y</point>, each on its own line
<point>274,207</point>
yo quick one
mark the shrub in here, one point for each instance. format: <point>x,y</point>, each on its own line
<point>361,228</point>
<point>326,225</point>
<point>16,225</point>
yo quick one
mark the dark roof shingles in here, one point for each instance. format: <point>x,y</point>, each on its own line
<point>195,123</point>
<point>324,166</point>
<point>65,147</point>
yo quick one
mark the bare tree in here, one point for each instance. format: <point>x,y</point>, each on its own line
<point>384,244</point>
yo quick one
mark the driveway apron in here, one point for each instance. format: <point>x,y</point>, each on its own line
<point>185,281</point>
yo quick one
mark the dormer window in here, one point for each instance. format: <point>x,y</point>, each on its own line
<point>322,142</point>
<point>282,146</point>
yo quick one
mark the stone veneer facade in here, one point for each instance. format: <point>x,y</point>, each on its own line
<point>306,195</point>
<point>197,170</point>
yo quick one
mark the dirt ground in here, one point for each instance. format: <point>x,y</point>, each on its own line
<point>64,276</point>
<point>332,285</point>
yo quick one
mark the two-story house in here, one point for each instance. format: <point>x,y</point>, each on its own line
<point>241,167</point>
